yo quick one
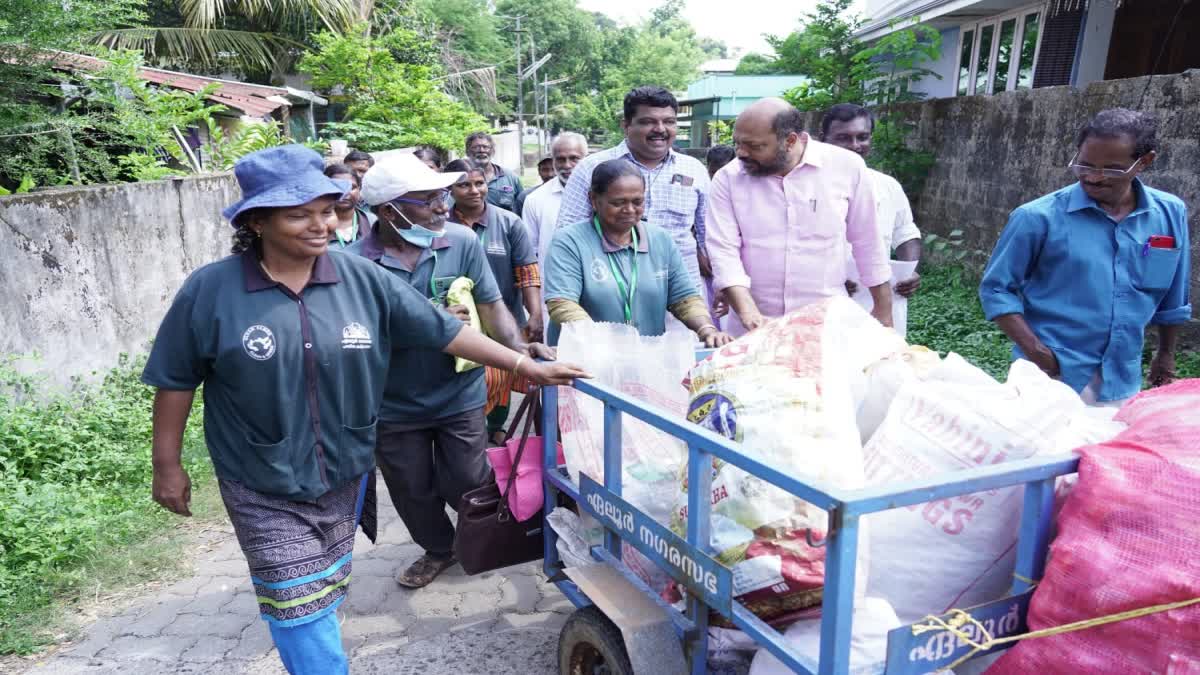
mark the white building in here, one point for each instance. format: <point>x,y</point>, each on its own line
<point>990,46</point>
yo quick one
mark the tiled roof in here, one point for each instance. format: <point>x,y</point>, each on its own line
<point>255,100</point>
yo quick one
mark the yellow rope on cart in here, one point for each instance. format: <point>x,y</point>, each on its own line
<point>959,618</point>
<point>1024,579</point>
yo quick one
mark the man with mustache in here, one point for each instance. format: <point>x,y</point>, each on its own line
<point>676,184</point>
<point>781,216</point>
<point>504,188</point>
<point>1078,274</point>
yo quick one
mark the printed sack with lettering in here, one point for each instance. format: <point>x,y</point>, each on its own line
<point>1129,538</point>
<point>959,552</point>
<point>787,393</point>
<point>884,379</point>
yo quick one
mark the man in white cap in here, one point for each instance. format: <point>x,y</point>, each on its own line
<point>431,434</point>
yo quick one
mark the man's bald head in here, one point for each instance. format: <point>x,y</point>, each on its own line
<point>767,137</point>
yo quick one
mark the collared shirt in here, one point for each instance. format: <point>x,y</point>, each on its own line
<point>504,188</point>
<point>291,382</point>
<point>363,221</point>
<point>894,215</point>
<point>421,383</point>
<point>506,243</point>
<point>676,192</point>
<point>785,237</point>
<point>1087,286</point>
<point>578,269</point>
<point>541,217</point>
<point>519,204</point>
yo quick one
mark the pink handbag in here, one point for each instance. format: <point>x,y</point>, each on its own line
<point>525,454</point>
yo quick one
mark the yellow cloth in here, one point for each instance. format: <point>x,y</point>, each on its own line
<point>691,307</point>
<point>460,294</point>
<point>566,311</point>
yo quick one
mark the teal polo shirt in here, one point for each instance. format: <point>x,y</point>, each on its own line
<point>506,242</point>
<point>577,269</point>
<point>291,382</point>
<point>421,383</point>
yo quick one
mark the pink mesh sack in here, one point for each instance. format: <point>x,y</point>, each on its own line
<point>1129,537</point>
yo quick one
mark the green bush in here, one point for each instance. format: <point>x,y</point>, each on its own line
<point>945,315</point>
<point>75,481</point>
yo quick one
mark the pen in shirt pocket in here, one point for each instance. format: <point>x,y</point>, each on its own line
<point>813,202</point>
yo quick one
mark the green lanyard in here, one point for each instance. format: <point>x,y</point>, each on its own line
<point>353,232</point>
<point>433,276</point>
<point>627,293</point>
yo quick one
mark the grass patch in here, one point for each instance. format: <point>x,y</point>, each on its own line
<point>945,315</point>
<point>76,517</point>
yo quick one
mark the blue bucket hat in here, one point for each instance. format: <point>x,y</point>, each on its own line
<point>287,175</point>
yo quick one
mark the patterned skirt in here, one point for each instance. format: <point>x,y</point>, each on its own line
<point>299,553</point>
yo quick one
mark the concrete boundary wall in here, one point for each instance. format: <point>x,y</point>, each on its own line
<point>87,273</point>
<point>995,153</point>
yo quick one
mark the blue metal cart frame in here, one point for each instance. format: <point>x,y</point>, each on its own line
<point>708,582</point>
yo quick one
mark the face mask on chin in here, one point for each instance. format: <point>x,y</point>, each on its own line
<point>421,237</point>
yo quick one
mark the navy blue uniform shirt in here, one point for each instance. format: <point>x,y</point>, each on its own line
<point>291,382</point>
<point>421,383</point>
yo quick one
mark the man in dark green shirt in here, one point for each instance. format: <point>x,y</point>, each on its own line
<point>503,187</point>
<point>431,424</point>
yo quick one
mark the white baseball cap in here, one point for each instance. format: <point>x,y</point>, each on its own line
<point>399,175</point>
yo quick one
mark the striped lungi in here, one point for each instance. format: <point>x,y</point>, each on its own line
<point>299,553</point>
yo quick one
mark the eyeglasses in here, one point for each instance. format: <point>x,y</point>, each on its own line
<point>438,197</point>
<point>1080,170</point>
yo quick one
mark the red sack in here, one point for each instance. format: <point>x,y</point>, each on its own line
<point>1129,537</point>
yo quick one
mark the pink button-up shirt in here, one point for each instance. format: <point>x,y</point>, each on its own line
<point>785,237</point>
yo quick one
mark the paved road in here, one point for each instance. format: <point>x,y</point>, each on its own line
<point>502,622</point>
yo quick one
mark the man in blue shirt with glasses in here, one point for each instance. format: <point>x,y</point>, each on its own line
<point>1079,273</point>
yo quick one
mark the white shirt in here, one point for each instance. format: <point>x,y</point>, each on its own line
<point>541,215</point>
<point>894,215</point>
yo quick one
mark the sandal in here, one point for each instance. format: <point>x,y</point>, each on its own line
<point>424,570</point>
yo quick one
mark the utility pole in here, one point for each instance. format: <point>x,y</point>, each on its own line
<point>520,104</point>
<point>546,84</point>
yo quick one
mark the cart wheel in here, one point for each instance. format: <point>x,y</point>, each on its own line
<point>591,645</point>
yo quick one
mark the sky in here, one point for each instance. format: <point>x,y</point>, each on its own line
<point>739,23</point>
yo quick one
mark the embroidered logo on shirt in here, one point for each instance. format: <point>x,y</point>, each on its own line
<point>356,336</point>
<point>495,248</point>
<point>662,274</point>
<point>259,342</point>
<point>599,270</point>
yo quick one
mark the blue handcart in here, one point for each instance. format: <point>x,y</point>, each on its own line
<point>621,627</point>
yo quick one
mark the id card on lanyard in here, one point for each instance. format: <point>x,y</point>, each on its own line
<point>625,292</point>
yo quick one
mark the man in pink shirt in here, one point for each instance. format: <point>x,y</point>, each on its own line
<point>781,216</point>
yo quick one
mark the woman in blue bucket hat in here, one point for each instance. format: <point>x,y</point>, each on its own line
<point>292,343</point>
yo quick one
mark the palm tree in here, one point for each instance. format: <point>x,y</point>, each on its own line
<point>205,41</point>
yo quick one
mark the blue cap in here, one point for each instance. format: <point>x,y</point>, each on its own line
<point>286,175</point>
